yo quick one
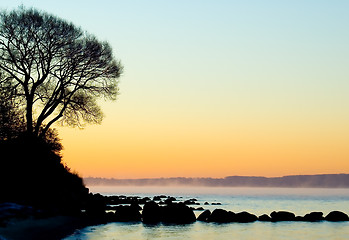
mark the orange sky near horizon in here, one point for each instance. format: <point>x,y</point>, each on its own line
<point>217,147</point>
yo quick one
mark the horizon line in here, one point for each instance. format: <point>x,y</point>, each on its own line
<point>251,176</point>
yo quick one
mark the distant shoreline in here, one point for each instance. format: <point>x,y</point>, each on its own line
<point>290,181</point>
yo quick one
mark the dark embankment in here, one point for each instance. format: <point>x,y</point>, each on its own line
<point>40,198</point>
<point>32,174</point>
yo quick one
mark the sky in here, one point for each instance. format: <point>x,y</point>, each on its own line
<point>215,88</point>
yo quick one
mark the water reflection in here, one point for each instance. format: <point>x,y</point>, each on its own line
<point>167,231</point>
<point>198,231</point>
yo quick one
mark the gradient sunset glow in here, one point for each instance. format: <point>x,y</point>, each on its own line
<point>216,88</point>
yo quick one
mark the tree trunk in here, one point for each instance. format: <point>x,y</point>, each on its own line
<point>29,116</point>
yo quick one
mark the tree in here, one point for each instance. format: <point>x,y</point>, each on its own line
<point>54,70</point>
<point>12,121</point>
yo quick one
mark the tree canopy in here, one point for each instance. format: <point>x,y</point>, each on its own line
<point>53,71</point>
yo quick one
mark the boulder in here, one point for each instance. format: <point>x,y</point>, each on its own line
<point>156,198</point>
<point>336,216</point>
<point>282,216</point>
<point>189,202</point>
<point>264,218</point>
<point>177,213</point>
<point>151,212</point>
<point>313,217</point>
<point>245,217</point>
<point>168,201</point>
<point>108,217</point>
<point>204,216</point>
<point>171,213</point>
<point>221,216</point>
<point>127,214</point>
<point>136,206</point>
<point>96,206</point>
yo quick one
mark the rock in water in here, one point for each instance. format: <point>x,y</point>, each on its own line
<point>151,212</point>
<point>204,216</point>
<point>171,213</point>
<point>245,217</point>
<point>264,218</point>
<point>336,216</point>
<point>282,216</point>
<point>178,213</point>
<point>221,216</point>
<point>313,217</point>
<point>127,214</point>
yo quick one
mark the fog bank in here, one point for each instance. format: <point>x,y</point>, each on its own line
<point>292,181</point>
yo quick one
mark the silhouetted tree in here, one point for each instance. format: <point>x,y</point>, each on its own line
<point>54,70</point>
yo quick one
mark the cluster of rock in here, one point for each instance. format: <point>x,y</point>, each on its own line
<point>165,209</point>
<point>223,216</point>
<point>152,212</point>
<point>160,199</point>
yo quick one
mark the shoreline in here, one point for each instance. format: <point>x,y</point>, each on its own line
<point>50,228</point>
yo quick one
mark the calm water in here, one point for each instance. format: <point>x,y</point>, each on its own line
<point>254,200</point>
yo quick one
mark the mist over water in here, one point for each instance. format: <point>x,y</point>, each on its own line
<point>249,191</point>
<point>254,200</point>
